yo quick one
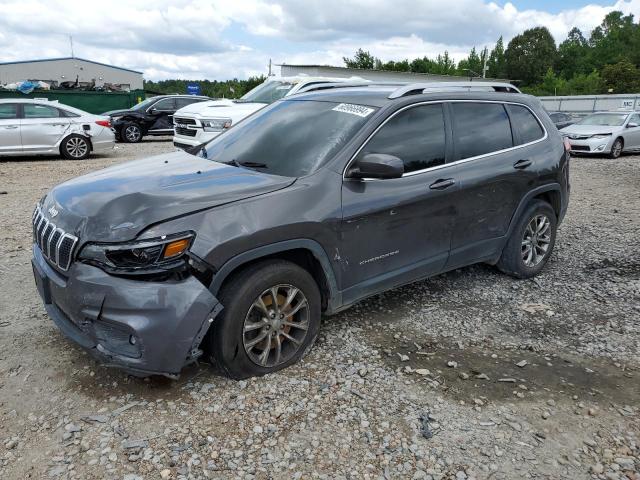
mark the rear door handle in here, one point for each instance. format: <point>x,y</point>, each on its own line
<point>441,184</point>
<point>11,127</point>
<point>522,164</point>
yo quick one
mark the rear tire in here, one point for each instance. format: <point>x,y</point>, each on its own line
<point>251,337</point>
<point>131,133</point>
<point>75,147</point>
<point>616,148</point>
<point>531,242</point>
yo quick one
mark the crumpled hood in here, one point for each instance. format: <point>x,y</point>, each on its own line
<point>111,113</point>
<point>117,203</point>
<point>589,129</point>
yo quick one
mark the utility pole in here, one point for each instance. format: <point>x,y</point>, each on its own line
<point>484,64</point>
<point>269,67</point>
<point>71,44</point>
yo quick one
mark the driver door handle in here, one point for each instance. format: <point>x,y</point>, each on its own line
<point>522,164</point>
<point>11,127</point>
<point>441,184</point>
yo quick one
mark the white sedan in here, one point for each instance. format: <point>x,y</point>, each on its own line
<point>41,127</point>
<point>608,133</point>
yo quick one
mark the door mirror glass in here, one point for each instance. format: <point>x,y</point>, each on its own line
<point>377,165</point>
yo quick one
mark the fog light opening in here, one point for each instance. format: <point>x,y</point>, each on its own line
<point>132,340</point>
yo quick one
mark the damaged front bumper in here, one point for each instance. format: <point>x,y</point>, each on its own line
<point>143,327</point>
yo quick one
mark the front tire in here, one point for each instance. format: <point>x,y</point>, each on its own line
<point>616,148</point>
<point>131,133</point>
<point>271,319</point>
<point>75,147</point>
<point>531,242</point>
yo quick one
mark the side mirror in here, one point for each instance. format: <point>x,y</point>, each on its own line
<point>153,110</point>
<point>632,125</point>
<point>377,165</point>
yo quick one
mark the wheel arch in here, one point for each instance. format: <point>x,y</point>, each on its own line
<point>71,134</point>
<point>306,253</point>
<point>550,193</point>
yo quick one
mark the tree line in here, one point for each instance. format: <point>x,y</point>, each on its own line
<point>604,61</point>
<point>211,88</point>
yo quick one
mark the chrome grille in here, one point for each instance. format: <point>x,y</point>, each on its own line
<point>56,245</point>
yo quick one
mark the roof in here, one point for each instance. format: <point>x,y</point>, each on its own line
<point>69,58</point>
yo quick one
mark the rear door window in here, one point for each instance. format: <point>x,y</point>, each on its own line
<point>8,111</point>
<point>525,125</point>
<point>480,128</point>
<point>416,136</point>
<point>183,102</point>
<point>32,110</point>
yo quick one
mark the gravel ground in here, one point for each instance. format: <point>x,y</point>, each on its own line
<point>471,374</point>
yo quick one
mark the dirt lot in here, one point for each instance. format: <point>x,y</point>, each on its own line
<point>468,375</point>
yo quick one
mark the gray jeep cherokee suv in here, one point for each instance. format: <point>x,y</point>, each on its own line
<point>304,208</point>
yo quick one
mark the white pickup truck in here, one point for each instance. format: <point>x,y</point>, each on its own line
<point>198,123</point>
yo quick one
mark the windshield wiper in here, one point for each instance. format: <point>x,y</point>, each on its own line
<point>236,163</point>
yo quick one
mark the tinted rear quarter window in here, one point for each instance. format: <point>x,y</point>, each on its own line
<point>415,135</point>
<point>480,128</point>
<point>525,124</point>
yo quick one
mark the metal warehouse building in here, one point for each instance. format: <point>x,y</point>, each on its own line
<point>373,75</point>
<point>57,70</point>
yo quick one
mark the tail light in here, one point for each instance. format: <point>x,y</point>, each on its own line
<point>104,123</point>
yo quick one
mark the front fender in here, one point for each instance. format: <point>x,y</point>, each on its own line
<point>263,251</point>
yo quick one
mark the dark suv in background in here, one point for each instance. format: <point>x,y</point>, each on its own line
<point>306,207</point>
<point>153,116</point>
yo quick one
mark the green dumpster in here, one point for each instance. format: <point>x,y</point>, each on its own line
<point>89,101</point>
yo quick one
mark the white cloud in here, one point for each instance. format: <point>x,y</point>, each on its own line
<point>220,39</point>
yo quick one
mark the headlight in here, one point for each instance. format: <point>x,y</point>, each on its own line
<point>601,135</point>
<point>145,256</point>
<point>215,124</point>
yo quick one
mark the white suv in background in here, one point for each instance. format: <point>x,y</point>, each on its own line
<point>200,122</point>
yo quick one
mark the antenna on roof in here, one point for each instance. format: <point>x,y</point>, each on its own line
<point>71,44</point>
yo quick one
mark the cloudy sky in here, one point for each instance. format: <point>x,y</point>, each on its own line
<point>221,39</point>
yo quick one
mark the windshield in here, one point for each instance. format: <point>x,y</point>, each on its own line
<point>144,104</point>
<point>604,119</point>
<point>268,92</point>
<point>290,138</point>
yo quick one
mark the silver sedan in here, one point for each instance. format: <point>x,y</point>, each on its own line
<point>41,127</point>
<point>608,133</point>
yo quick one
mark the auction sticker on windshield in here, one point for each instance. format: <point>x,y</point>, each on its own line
<point>358,110</point>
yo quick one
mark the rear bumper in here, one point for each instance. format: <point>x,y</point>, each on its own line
<point>144,328</point>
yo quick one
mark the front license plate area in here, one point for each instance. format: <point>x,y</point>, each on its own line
<point>42,284</point>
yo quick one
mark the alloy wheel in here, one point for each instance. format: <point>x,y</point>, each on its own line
<point>77,147</point>
<point>132,132</point>
<point>616,149</point>
<point>536,240</point>
<point>276,325</point>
